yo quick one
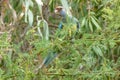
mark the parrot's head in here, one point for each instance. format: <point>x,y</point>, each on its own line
<point>60,11</point>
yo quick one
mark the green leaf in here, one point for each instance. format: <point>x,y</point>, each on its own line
<point>95,23</point>
<point>28,12</point>
<point>31,3</point>
<point>83,22</point>
<point>30,17</point>
<point>46,30</point>
<point>39,2</point>
<point>66,6</point>
<point>45,33</point>
<point>51,1</point>
<point>38,28</point>
<point>86,25</point>
<point>91,27</point>
<point>97,50</point>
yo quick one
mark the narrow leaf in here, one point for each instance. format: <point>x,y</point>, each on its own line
<point>39,2</point>
<point>83,22</point>
<point>30,17</point>
<point>91,27</point>
<point>66,6</point>
<point>46,30</point>
<point>38,27</point>
<point>95,23</point>
<point>98,51</point>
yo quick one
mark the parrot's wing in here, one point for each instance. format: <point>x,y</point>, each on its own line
<point>60,26</point>
<point>50,57</point>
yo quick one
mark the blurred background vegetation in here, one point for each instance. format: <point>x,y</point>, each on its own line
<point>28,33</point>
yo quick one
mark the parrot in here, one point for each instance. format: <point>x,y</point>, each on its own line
<point>68,21</point>
<point>74,24</point>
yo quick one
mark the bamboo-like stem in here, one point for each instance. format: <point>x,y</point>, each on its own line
<point>88,7</point>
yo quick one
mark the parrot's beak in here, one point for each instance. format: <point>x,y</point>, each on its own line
<point>56,11</point>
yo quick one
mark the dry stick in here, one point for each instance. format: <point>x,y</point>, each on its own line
<point>88,7</point>
<point>52,25</point>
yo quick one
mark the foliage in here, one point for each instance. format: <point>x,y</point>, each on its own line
<point>29,35</point>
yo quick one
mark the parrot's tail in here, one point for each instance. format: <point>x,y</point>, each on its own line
<point>48,59</point>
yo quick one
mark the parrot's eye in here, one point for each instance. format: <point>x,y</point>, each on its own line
<point>58,9</point>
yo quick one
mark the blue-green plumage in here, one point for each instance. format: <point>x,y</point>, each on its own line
<point>49,58</point>
<point>60,26</point>
<point>65,19</point>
